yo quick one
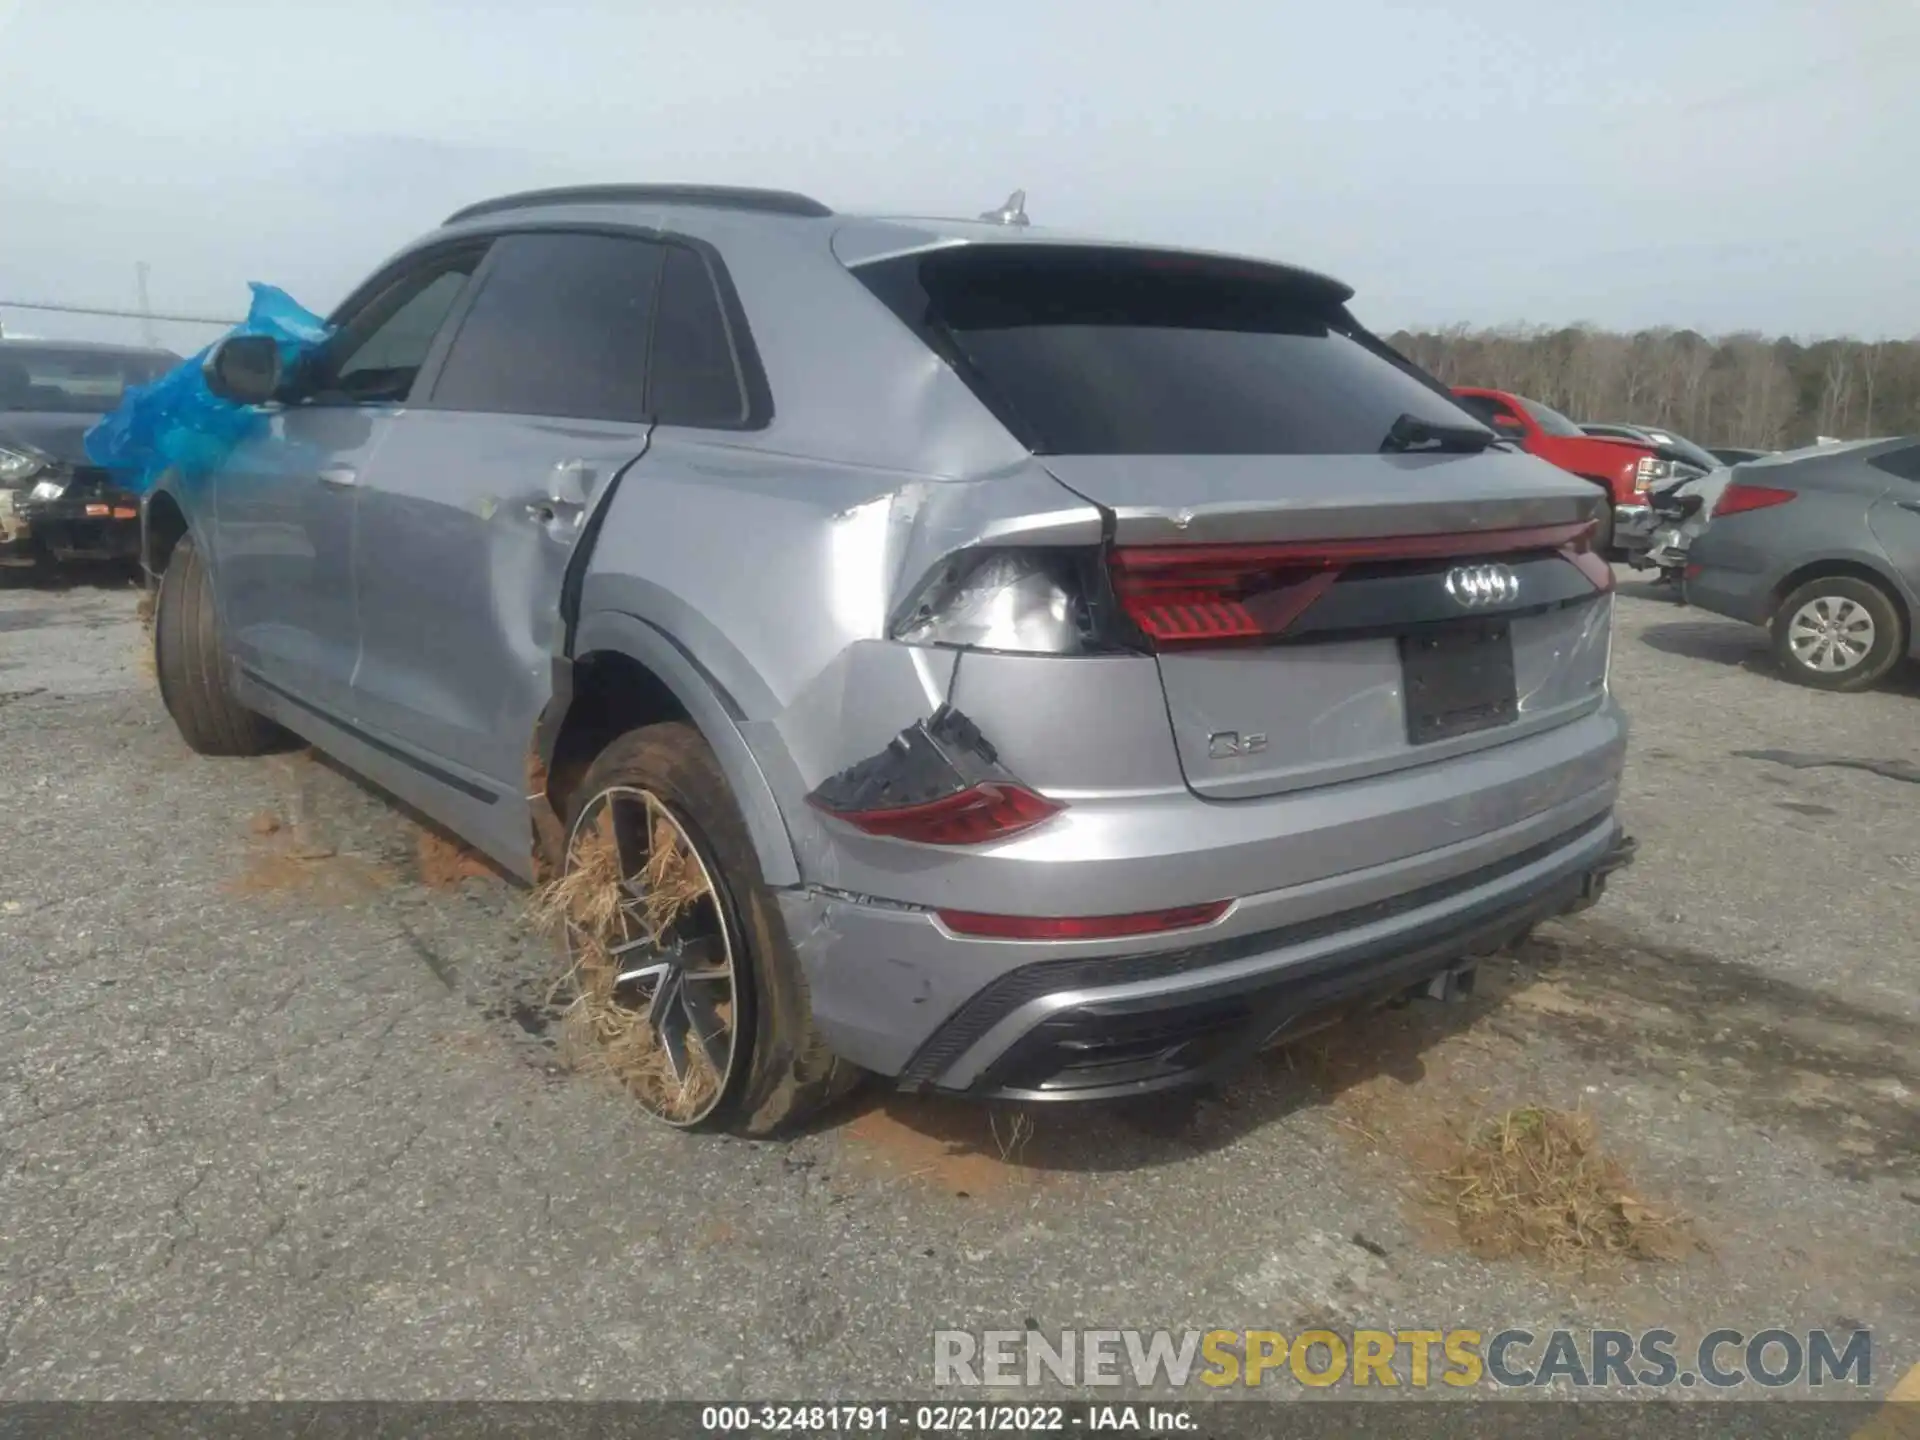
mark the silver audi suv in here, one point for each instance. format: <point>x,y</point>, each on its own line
<point>1012,664</point>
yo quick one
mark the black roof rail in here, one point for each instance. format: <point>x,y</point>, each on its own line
<point>725,197</point>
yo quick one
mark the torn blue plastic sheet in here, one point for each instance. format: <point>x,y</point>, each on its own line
<point>177,423</point>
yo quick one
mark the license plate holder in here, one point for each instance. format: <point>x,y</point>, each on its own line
<point>1458,680</point>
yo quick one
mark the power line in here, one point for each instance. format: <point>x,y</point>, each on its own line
<point>120,314</point>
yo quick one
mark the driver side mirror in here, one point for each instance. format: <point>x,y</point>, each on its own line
<point>244,369</point>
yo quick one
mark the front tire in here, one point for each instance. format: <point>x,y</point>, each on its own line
<point>1837,633</point>
<point>683,981</point>
<point>190,658</point>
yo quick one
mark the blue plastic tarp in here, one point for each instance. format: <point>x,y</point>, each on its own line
<point>177,423</point>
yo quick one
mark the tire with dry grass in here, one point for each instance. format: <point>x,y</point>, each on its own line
<point>778,1070</point>
<point>190,659</point>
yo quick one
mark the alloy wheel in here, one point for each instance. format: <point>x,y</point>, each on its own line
<point>1831,634</point>
<point>651,955</point>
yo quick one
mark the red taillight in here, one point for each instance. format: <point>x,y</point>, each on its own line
<point>1589,561</point>
<point>989,811</point>
<point>1741,496</point>
<point>1215,600</point>
<point>1081,927</point>
<point>1185,595</point>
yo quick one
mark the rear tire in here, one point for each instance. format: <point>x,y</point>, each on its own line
<point>1837,633</point>
<point>190,658</point>
<point>778,1070</point>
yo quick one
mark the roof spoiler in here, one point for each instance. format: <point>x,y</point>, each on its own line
<point>720,197</point>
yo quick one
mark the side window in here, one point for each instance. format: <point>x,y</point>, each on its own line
<point>1482,407</point>
<point>559,327</point>
<point>380,349</point>
<point>1903,463</point>
<point>1503,416</point>
<point>697,377</point>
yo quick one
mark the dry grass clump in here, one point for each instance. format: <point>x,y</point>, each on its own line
<point>1534,1182</point>
<point>671,879</point>
<point>585,898</point>
<point>598,1030</point>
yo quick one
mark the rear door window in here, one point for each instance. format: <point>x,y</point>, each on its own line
<point>1089,351</point>
<point>559,327</point>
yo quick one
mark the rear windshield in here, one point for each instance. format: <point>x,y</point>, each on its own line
<point>1092,352</point>
<point>67,381</point>
<point>1550,420</point>
<point>1691,453</point>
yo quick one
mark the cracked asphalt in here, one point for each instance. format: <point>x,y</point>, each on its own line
<point>280,1115</point>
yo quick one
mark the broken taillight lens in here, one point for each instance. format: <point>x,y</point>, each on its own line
<point>1022,602</point>
<point>1740,497</point>
<point>1081,927</point>
<point>989,811</point>
<point>938,782</point>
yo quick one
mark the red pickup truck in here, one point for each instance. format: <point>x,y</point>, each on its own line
<point>1620,467</point>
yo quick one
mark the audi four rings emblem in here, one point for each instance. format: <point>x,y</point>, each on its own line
<point>1472,585</point>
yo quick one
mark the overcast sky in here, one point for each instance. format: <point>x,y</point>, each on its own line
<point>1721,164</point>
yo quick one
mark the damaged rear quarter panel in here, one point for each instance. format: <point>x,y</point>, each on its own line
<point>778,576</point>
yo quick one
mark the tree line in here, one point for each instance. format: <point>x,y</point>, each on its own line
<point>1742,389</point>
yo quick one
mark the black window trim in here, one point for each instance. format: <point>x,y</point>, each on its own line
<point>752,374</point>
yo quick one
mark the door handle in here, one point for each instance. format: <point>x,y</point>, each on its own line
<point>1913,505</point>
<point>545,512</point>
<point>339,476</point>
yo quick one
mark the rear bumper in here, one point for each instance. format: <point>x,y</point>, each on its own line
<point>1321,884</point>
<point>1086,1030</point>
<point>1739,595</point>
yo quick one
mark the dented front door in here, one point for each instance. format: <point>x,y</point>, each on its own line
<point>480,498</point>
<point>465,532</point>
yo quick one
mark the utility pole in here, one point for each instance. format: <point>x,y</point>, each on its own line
<point>147,335</point>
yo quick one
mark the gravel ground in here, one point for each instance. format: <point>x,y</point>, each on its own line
<point>279,1114</point>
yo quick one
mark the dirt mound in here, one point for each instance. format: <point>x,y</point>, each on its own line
<point>963,1149</point>
<point>1534,1182</point>
<point>443,863</point>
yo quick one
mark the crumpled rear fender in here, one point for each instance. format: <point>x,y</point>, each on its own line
<point>713,713</point>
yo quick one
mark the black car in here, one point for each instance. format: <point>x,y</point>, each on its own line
<point>1681,455</point>
<point>54,503</point>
